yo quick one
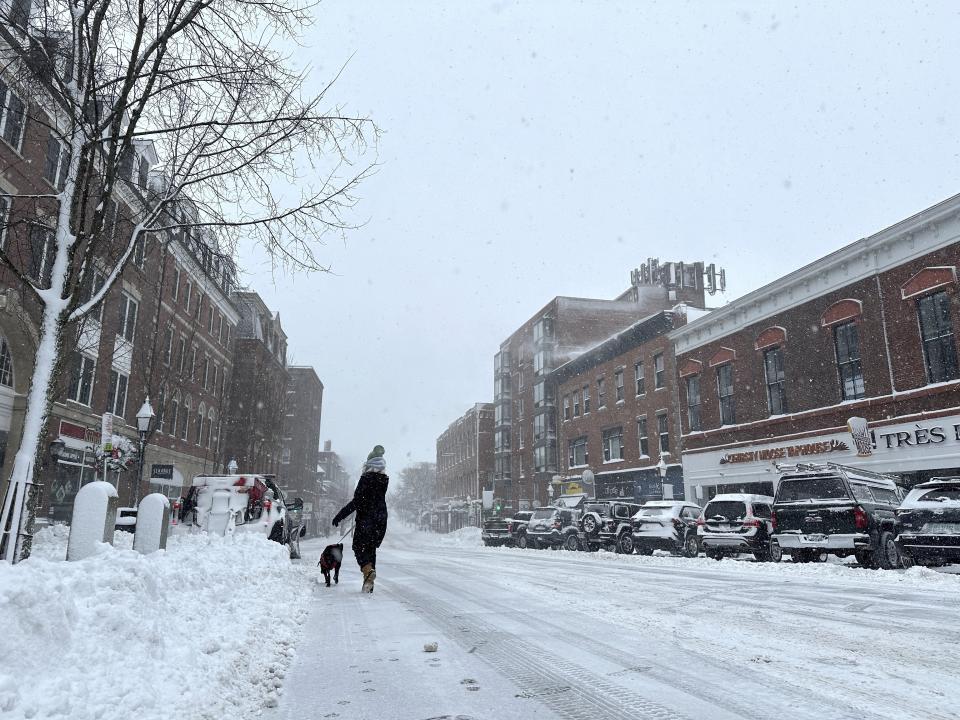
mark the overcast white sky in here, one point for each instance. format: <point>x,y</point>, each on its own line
<point>546,148</point>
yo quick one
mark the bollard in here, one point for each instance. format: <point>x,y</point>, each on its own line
<point>94,519</point>
<point>153,515</point>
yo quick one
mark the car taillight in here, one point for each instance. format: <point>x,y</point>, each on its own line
<point>860,519</point>
<point>751,522</point>
<point>773,520</point>
<point>239,482</point>
<point>510,527</point>
<point>267,504</point>
<point>701,522</point>
<point>557,524</point>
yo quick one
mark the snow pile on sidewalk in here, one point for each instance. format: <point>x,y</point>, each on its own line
<point>204,629</point>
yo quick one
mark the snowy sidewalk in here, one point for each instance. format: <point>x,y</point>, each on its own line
<point>361,657</point>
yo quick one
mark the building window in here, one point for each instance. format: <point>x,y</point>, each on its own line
<point>186,295</point>
<point>601,393</point>
<point>210,315</point>
<point>520,437</point>
<point>128,317</point>
<point>211,425</point>
<point>642,434</point>
<point>773,370</point>
<point>936,332</point>
<point>198,425</point>
<point>174,413</point>
<point>658,374</point>
<point>285,456</point>
<point>578,456</point>
<point>206,372</point>
<point>161,410</point>
<point>618,382</point>
<point>182,356</point>
<point>185,419</point>
<point>725,392</point>
<point>846,342</point>
<point>168,347</point>
<point>693,403</point>
<point>176,283</point>
<point>81,378</point>
<point>638,374</point>
<point>117,395</point>
<point>42,251</point>
<point>12,116</point>
<point>586,399</point>
<point>199,307</point>
<point>5,203</point>
<point>520,379</point>
<point>520,409</point>
<point>139,250</point>
<point>613,444</point>
<point>193,363</point>
<point>576,404</point>
<point>542,395</point>
<point>57,163</point>
<point>6,364</point>
<point>566,407</point>
<point>663,432</point>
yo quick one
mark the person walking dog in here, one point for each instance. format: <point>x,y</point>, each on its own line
<point>370,504</point>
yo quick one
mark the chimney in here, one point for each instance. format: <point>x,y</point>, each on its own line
<point>327,445</point>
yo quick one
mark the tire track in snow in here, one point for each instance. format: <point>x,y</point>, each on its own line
<point>570,690</point>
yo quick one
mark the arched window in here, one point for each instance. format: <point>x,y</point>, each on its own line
<point>6,363</point>
<point>174,413</point>
<point>211,426</point>
<point>185,421</point>
<point>201,413</point>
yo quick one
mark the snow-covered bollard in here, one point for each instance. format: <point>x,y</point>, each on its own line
<point>153,517</point>
<point>94,519</point>
<point>430,647</point>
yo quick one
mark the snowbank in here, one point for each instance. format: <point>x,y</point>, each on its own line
<point>204,629</point>
<point>468,537</point>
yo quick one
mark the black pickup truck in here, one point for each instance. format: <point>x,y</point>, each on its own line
<point>831,509</point>
<point>499,531</point>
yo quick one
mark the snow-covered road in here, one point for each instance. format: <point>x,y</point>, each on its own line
<point>540,634</point>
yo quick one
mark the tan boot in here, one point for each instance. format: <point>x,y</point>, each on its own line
<point>369,575</point>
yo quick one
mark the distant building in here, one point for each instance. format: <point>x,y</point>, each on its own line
<point>301,442</point>
<point>525,395</point>
<point>869,331</point>
<point>618,415</point>
<point>254,426</point>
<point>465,454</point>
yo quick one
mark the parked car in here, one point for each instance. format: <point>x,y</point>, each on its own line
<point>929,520</point>
<point>831,509</point>
<point>126,519</point>
<point>608,523</point>
<point>495,532</point>
<point>554,528</point>
<point>224,504</point>
<point>667,525</point>
<point>738,523</point>
<point>517,527</point>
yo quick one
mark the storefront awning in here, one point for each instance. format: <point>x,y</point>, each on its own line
<point>166,475</point>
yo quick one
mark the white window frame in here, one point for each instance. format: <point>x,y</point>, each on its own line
<point>6,93</point>
<point>128,321</point>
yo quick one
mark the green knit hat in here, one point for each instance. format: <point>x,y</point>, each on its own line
<point>377,451</point>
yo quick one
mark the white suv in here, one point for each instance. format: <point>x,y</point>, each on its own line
<point>223,504</point>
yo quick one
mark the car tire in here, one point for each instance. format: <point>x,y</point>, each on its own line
<point>571,543</point>
<point>522,541</point>
<point>625,544</point>
<point>775,552</point>
<point>276,532</point>
<point>715,556</point>
<point>906,562</point>
<point>865,558</point>
<point>887,555</point>
<point>590,523</point>
<point>691,546</point>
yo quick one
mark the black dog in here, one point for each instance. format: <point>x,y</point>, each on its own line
<point>330,559</point>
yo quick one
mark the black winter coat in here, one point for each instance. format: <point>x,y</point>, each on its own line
<point>369,502</point>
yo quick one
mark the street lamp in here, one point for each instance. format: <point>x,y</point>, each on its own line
<point>232,467</point>
<point>144,419</point>
<point>662,467</point>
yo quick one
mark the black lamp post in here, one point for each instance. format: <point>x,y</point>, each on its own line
<point>144,420</point>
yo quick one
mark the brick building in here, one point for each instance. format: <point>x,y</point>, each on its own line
<point>163,331</point>
<point>254,428</point>
<point>868,331</point>
<point>618,414</point>
<point>465,454</point>
<point>301,441</point>
<point>525,419</point>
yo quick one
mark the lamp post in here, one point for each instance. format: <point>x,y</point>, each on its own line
<point>144,419</point>
<point>662,467</point>
<point>232,467</point>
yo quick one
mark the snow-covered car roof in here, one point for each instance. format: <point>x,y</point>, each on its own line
<point>934,482</point>
<point>226,481</point>
<point>851,473</point>
<point>666,503</point>
<point>743,497</point>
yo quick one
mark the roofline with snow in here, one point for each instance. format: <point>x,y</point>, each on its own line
<point>929,230</point>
